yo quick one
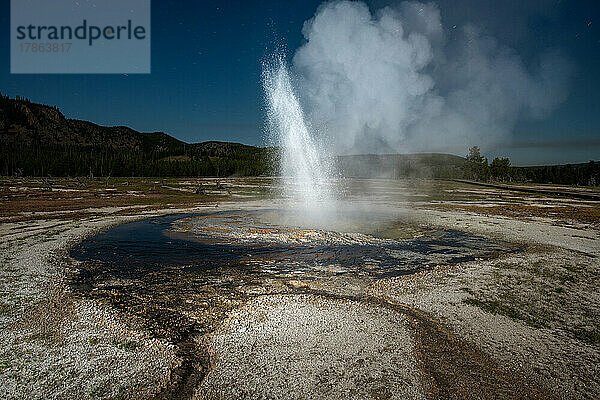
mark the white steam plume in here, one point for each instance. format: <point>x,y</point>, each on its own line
<point>390,81</point>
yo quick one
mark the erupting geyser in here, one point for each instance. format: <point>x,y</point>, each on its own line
<point>303,166</point>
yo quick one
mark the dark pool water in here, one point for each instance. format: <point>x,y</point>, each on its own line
<point>138,247</point>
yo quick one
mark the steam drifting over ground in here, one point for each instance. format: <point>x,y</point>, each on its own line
<point>395,80</point>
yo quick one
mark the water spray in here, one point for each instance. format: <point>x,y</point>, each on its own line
<point>304,166</point>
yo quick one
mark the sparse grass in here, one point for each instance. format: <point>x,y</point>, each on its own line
<point>468,290</point>
<point>590,336</point>
<point>122,394</point>
<point>45,317</point>
<point>4,308</point>
<point>559,213</point>
<point>55,232</point>
<point>126,345</point>
<point>100,391</point>
<point>543,293</point>
<point>4,365</point>
<point>44,336</point>
<point>501,308</point>
<point>541,269</point>
<point>564,278</point>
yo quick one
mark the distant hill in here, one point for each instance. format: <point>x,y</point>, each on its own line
<point>436,165</point>
<point>38,140</point>
<point>394,166</point>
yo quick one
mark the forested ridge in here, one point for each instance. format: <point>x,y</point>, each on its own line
<point>472,167</point>
<point>37,140</point>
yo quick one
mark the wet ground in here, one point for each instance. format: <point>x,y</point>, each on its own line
<point>180,275</point>
<point>267,304</point>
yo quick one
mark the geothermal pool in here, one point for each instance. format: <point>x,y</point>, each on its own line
<point>178,277</point>
<point>275,243</point>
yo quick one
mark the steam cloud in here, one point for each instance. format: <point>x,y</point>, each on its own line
<point>392,81</point>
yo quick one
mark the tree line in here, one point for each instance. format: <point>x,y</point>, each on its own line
<point>71,160</point>
<point>74,160</point>
<point>500,170</point>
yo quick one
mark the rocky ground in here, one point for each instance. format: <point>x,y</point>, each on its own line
<point>523,324</point>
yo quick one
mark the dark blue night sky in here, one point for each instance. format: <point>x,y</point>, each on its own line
<point>206,71</point>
